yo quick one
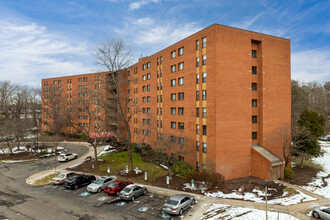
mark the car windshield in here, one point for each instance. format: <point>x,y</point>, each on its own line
<point>172,202</point>
<point>113,185</point>
<point>98,181</point>
<point>126,190</point>
<point>61,175</point>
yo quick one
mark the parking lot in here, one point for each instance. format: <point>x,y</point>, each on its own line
<point>148,206</point>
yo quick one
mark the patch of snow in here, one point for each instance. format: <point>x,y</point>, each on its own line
<point>75,165</point>
<point>220,211</point>
<point>17,161</point>
<point>325,159</point>
<point>165,167</point>
<point>258,196</point>
<point>198,185</point>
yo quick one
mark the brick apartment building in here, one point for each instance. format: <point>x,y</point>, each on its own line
<point>225,89</point>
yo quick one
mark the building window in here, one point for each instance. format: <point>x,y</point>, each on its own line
<point>181,126</point>
<point>197,44</point>
<point>157,61</point>
<point>254,103</point>
<point>173,124</point>
<point>204,147</point>
<point>181,95</point>
<point>180,51</point>
<point>148,76</point>
<point>157,98</point>
<point>148,65</point>
<point>148,99</point>
<point>161,85</point>
<point>254,119</point>
<point>128,74</point>
<point>144,99</point>
<point>173,96</point>
<point>148,110</point>
<point>204,94</point>
<point>197,129</point>
<point>197,78</point>
<point>161,111</point>
<point>173,54</point>
<point>144,77</point>
<point>143,88</point>
<point>204,129</point>
<point>204,60</point>
<point>143,66</point>
<point>197,166</point>
<point>79,117</point>
<point>204,42</point>
<point>254,70</point>
<point>161,73</point>
<point>161,98</point>
<point>197,145</point>
<point>173,82</point>
<point>85,79</point>
<point>144,121</point>
<point>181,66</point>
<point>60,81</point>
<point>181,111</point>
<point>181,81</point>
<point>85,125</point>
<point>204,77</point>
<point>204,112</point>
<point>173,111</point>
<point>173,68</point>
<point>197,61</point>
<point>197,112</point>
<point>148,87</point>
<point>180,157</point>
<point>197,95</point>
<point>254,135</point>
<point>254,86</point>
<point>161,60</point>
<point>181,142</point>
<point>55,82</point>
<point>79,79</point>
<point>254,53</point>
<point>144,110</point>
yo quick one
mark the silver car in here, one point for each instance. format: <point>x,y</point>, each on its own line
<point>177,204</point>
<point>59,179</point>
<point>131,192</point>
<point>321,212</point>
<point>99,184</point>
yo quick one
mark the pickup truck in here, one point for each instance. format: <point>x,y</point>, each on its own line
<point>66,157</point>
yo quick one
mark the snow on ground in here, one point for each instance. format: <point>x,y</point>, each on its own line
<point>17,161</point>
<point>107,149</point>
<point>317,184</point>
<point>77,164</point>
<point>258,196</point>
<point>22,149</point>
<point>198,185</point>
<point>220,211</point>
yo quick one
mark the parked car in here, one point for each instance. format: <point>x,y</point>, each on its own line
<point>116,186</point>
<point>178,203</point>
<point>132,191</point>
<point>59,179</point>
<point>77,181</point>
<point>66,157</point>
<point>325,138</point>
<point>99,184</point>
<point>321,212</point>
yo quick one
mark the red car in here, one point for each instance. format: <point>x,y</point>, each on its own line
<point>116,186</point>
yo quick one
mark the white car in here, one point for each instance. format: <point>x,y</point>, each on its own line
<point>322,212</point>
<point>67,157</point>
<point>99,184</point>
<point>59,179</point>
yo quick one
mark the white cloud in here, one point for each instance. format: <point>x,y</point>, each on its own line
<point>29,52</point>
<point>138,4</point>
<point>311,65</point>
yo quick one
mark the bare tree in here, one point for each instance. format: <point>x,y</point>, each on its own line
<point>284,134</point>
<point>115,56</point>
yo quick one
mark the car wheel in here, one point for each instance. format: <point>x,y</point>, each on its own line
<point>144,192</point>
<point>193,202</point>
<point>66,159</point>
<point>76,187</point>
<point>316,215</point>
<point>99,190</point>
<point>75,157</point>
<point>133,198</point>
<point>181,211</point>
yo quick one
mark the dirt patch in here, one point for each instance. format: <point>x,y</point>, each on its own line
<point>87,166</point>
<point>302,176</point>
<point>19,156</point>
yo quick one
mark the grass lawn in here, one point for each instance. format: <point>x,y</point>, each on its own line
<point>308,163</point>
<point>45,180</point>
<point>118,162</point>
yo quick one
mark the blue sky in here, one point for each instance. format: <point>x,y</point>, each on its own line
<point>47,38</point>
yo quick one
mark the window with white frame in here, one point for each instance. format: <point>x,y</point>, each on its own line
<point>173,54</point>
<point>181,51</point>
<point>181,81</point>
<point>181,66</point>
